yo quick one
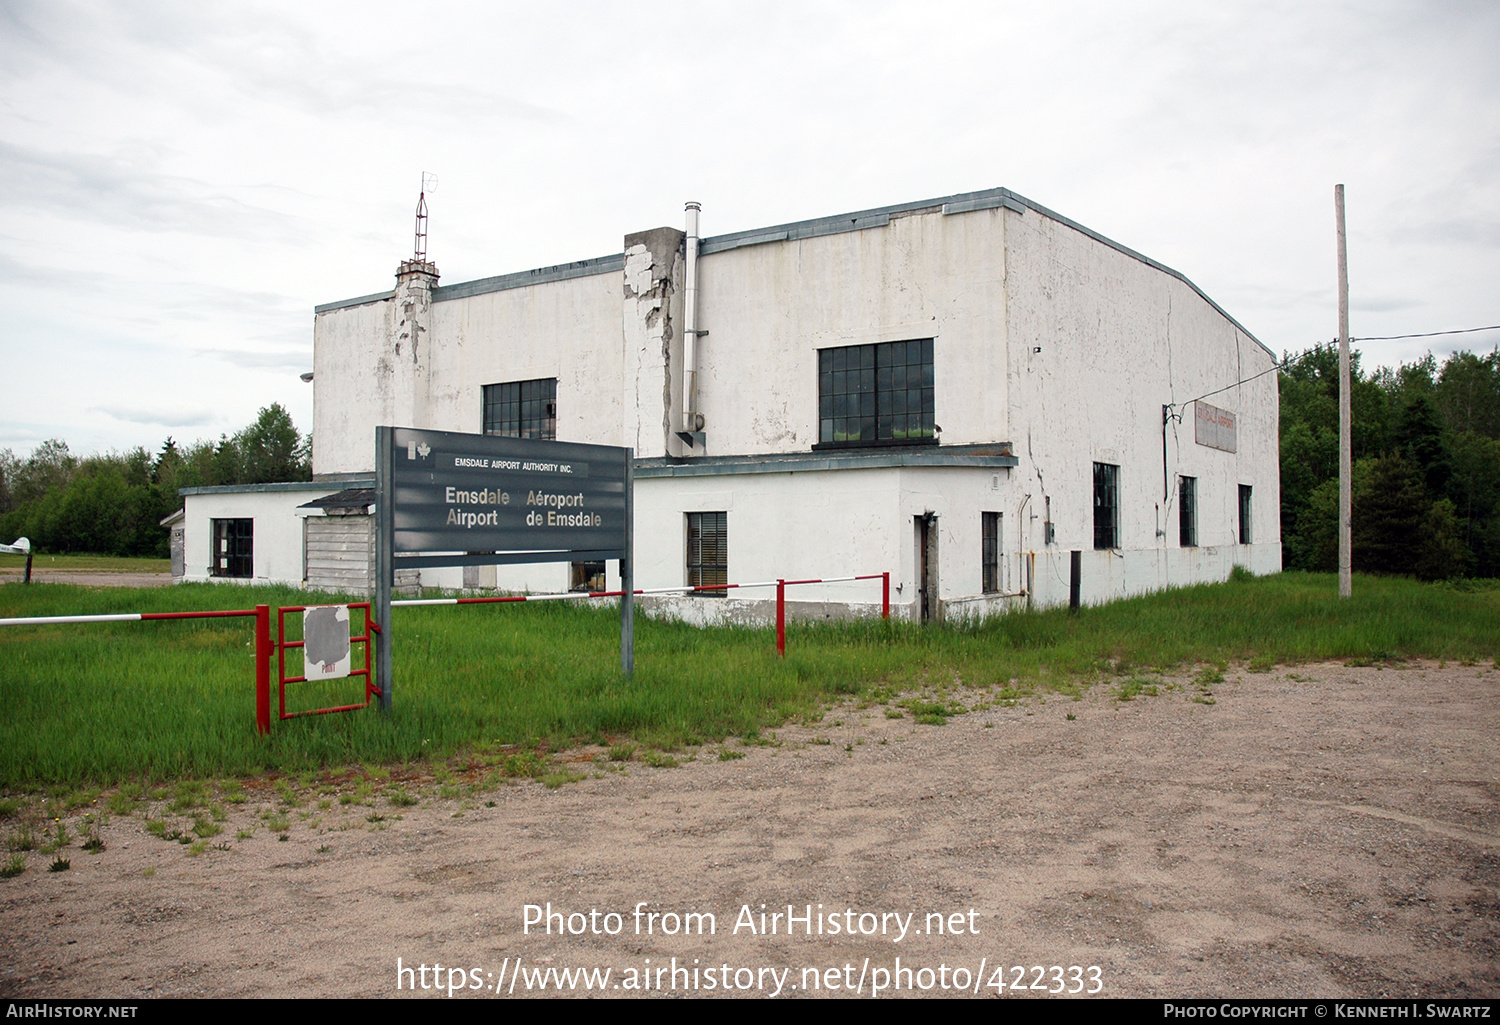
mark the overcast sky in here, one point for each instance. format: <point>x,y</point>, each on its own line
<point>181,183</point>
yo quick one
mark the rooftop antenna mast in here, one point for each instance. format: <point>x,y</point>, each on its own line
<point>419,249</point>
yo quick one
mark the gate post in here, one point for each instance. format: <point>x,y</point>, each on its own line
<point>885,595</point>
<point>781,617</point>
<point>263,669</point>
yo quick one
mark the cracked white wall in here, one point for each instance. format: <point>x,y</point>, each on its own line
<point>364,374</point>
<point>1100,341</point>
<point>769,308</point>
<point>1117,339</point>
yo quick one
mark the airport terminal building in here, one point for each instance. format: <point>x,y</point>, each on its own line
<point>962,391</point>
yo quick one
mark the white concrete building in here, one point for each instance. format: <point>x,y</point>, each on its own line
<point>962,391</point>
<point>248,533</point>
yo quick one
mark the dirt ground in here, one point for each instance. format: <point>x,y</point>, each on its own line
<point>1317,831</point>
<point>86,578</point>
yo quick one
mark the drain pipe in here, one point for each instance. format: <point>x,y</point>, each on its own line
<point>692,420</point>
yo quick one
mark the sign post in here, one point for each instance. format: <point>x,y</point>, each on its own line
<point>627,571</point>
<point>384,572</point>
<point>447,499</point>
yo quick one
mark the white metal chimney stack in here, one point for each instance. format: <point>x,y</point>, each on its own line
<point>692,420</point>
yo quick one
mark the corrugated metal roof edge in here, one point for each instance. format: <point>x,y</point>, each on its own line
<point>346,498</point>
<point>250,489</point>
<point>987,456</point>
<point>520,279</point>
<point>858,220</point>
<point>344,304</point>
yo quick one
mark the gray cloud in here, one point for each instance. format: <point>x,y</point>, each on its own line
<point>153,416</point>
<point>177,299</point>
<point>116,190</point>
<point>284,359</point>
<point>267,56</point>
<point>1378,304</point>
<point>42,276</point>
<point>1485,233</point>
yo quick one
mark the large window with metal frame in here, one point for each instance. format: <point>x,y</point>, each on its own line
<point>1106,505</point>
<point>708,551</point>
<point>522,409</point>
<point>1187,512</point>
<point>234,548</point>
<point>1245,536</point>
<point>878,394</point>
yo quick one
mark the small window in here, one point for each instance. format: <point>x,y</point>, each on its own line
<point>1244,514</point>
<point>1187,512</point>
<point>876,394</point>
<point>522,409</point>
<point>1106,506</point>
<point>587,576</point>
<point>990,555</point>
<point>234,553</point>
<point>708,551</point>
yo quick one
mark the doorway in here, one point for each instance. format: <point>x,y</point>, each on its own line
<point>928,606</point>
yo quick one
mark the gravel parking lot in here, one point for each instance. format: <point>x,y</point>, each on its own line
<point>1316,831</point>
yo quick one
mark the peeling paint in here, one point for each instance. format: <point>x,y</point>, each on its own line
<point>1039,329</point>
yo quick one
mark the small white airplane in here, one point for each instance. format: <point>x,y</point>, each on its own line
<point>21,547</point>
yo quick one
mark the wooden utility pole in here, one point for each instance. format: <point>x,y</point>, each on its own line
<point>1346,460</point>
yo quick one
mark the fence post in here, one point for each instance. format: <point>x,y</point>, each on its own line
<point>885,595</point>
<point>263,669</point>
<point>781,617</point>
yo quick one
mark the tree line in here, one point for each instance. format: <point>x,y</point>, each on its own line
<point>113,503</point>
<point>1426,447</point>
<point>1426,442</point>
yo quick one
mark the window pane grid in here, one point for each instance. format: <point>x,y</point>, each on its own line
<point>1187,499</point>
<point>1106,505</point>
<point>708,551</point>
<point>881,392</point>
<point>522,409</point>
<point>234,551</point>
<point>990,555</point>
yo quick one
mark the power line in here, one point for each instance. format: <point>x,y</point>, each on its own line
<point>1292,360</point>
<point>1426,334</point>
<point>1285,364</point>
<point>1263,373</point>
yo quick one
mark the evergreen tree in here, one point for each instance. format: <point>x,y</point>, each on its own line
<point>1426,441</point>
<point>113,504</point>
<point>271,449</point>
<point>1389,507</point>
<point>1419,436</point>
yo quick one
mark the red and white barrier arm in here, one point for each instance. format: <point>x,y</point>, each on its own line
<point>261,614</point>
<point>566,595</point>
<point>680,589</point>
<point>123,617</point>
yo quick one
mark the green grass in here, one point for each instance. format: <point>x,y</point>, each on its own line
<point>501,685</point>
<point>85,563</point>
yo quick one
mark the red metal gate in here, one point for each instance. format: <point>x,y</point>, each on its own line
<point>371,690</point>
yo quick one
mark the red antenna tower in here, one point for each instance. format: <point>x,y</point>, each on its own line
<point>419,249</point>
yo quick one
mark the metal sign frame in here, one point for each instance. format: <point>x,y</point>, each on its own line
<point>493,463</point>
